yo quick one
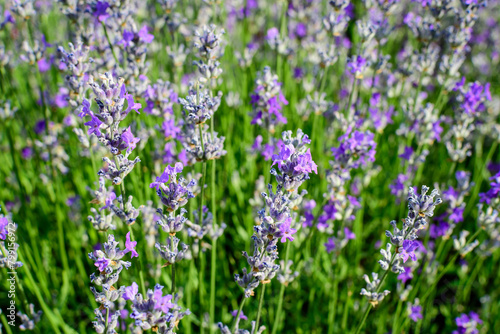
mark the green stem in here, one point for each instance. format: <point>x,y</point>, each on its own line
<point>259,311</point>
<point>173,265</point>
<point>277,319</point>
<point>109,43</point>
<point>237,319</point>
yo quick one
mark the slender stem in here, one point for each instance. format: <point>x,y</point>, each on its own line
<point>259,311</point>
<point>237,319</point>
<point>277,319</point>
<point>173,264</point>
<point>213,260</point>
<point>365,315</point>
<point>109,43</point>
<point>370,306</point>
<point>141,274</point>
<point>107,320</point>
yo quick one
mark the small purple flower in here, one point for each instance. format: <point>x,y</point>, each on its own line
<point>272,34</point>
<point>129,140</point>
<point>144,35</point>
<point>242,316</point>
<point>406,276</point>
<point>408,250</point>
<point>100,11</point>
<point>167,173</point>
<point>285,231</point>
<point>163,303</point>
<point>170,130</point>
<point>130,246</point>
<point>348,235</point>
<point>131,291</point>
<point>330,245</point>
<point>26,152</point>
<point>3,228</point>
<point>85,109</point>
<point>415,312</point>
<point>407,153</point>
<point>102,263</point>
<point>111,196</point>
<point>94,125</point>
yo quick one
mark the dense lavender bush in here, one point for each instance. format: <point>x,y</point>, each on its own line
<point>249,166</point>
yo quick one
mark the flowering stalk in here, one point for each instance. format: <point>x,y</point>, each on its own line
<point>419,208</point>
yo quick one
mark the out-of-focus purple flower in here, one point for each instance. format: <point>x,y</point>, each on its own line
<point>100,11</point>
<point>242,316</point>
<point>27,152</point>
<point>4,222</point>
<point>144,35</point>
<point>170,130</point>
<point>44,64</point>
<point>355,149</point>
<point>272,33</point>
<point>330,245</point>
<point>406,276</point>
<point>415,313</point>
<point>348,234</point>
<point>40,127</point>
<point>407,153</point>
<point>357,65</point>
<point>467,324</point>
<point>493,192</point>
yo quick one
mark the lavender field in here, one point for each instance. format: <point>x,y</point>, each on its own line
<point>250,166</point>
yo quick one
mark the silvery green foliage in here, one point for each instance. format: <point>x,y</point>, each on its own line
<point>372,288</point>
<point>28,321</point>
<point>171,252</point>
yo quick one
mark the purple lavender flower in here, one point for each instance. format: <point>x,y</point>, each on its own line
<point>294,161</point>
<point>330,245</point>
<point>130,246</point>
<point>174,192</point>
<point>234,313</point>
<point>357,65</point>
<point>131,291</point>
<point>4,222</point>
<point>355,149</point>
<point>408,249</point>
<point>407,153</point>
<point>467,323</point>
<point>285,231</point>
<point>415,312</point>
